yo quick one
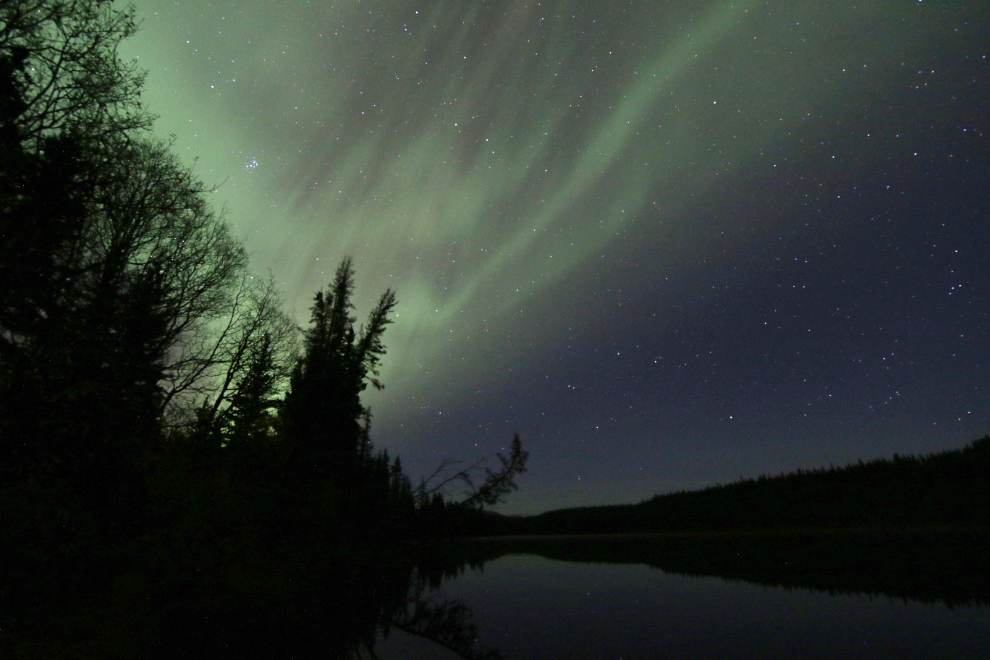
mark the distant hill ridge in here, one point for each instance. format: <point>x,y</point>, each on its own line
<point>949,488</point>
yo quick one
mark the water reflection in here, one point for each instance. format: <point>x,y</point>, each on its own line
<point>334,611</point>
<point>535,608</point>
<point>447,624</point>
<point>948,567</point>
<point>338,614</point>
<point>857,595</point>
<point>577,597</point>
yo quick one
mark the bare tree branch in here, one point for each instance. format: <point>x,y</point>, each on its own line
<point>497,484</point>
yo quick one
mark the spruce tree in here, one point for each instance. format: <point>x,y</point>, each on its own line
<point>248,418</point>
<point>322,412</point>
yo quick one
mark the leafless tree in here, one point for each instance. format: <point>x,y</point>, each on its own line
<point>492,489</point>
<point>75,78</point>
<point>139,214</point>
<point>212,370</point>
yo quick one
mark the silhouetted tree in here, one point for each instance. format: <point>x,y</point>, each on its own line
<point>492,489</point>
<point>140,363</point>
<point>498,483</point>
<point>116,271</point>
<point>76,80</point>
<point>322,412</point>
<point>80,346</point>
<point>248,417</point>
<point>151,209</point>
<point>244,361</point>
<point>64,96</point>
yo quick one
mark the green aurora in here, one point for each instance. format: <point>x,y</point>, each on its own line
<point>507,166</point>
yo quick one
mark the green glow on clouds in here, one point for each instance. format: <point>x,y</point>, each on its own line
<point>475,162</point>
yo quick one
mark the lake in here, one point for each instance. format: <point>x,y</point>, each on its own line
<point>564,598</point>
<point>797,594</point>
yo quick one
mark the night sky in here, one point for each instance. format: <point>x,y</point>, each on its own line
<point>669,243</point>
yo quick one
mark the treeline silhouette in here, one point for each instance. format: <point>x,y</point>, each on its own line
<point>166,430</point>
<point>949,489</point>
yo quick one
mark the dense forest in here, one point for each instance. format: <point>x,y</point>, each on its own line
<point>947,489</point>
<point>163,423</point>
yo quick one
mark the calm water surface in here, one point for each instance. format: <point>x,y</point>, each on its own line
<point>528,606</point>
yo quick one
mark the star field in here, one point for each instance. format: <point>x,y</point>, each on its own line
<point>669,243</point>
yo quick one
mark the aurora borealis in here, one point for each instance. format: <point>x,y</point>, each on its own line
<point>669,243</point>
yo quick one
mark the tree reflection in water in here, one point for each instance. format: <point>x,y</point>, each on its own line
<point>427,615</point>
<point>342,606</point>
<point>338,611</point>
<point>447,623</point>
